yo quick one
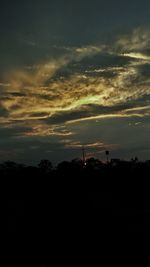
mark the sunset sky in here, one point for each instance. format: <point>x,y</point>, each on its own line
<point>74,73</point>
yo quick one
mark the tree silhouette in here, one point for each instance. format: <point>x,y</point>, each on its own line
<point>45,166</point>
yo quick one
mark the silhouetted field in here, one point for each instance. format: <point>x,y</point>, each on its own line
<point>61,209</point>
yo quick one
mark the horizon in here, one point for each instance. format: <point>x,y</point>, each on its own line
<point>55,164</point>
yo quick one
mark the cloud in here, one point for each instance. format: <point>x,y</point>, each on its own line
<point>4,84</point>
<point>77,144</point>
<point>84,83</point>
<point>92,148</point>
<point>136,55</point>
<point>43,129</point>
<point>136,41</point>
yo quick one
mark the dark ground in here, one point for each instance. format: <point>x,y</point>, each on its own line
<point>53,221</point>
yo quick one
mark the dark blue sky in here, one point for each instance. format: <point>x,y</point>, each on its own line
<point>74,73</point>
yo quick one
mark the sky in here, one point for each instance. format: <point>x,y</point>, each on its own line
<point>73,74</point>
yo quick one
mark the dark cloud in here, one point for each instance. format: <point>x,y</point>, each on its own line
<point>12,131</point>
<point>17,94</point>
<point>3,112</point>
<point>91,63</point>
<point>144,70</point>
<point>93,110</point>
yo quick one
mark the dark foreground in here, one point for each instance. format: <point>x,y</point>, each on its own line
<point>54,219</point>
